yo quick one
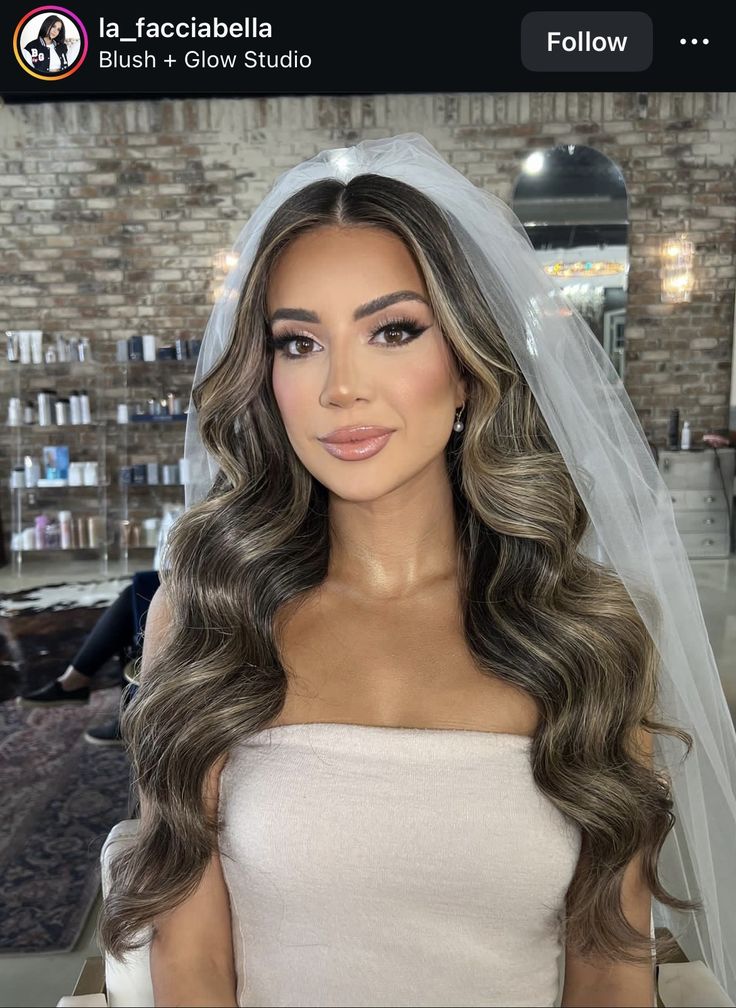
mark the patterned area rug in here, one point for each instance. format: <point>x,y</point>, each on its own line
<point>61,795</point>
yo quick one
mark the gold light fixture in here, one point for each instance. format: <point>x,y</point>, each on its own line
<point>678,278</point>
<point>585,268</point>
<point>222,263</point>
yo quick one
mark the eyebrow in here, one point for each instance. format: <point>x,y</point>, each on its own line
<point>369,308</point>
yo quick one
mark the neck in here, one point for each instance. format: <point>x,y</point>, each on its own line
<point>398,545</point>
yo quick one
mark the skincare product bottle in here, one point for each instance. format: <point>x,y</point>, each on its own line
<point>94,530</point>
<point>90,474</point>
<point>685,442</point>
<point>75,407</point>
<point>44,407</point>
<point>673,429</point>
<point>35,337</point>
<point>32,471</point>
<point>65,526</point>
<point>149,347</point>
<point>61,409</point>
<point>24,337</point>
<point>28,412</point>
<point>40,528</point>
<point>84,403</point>
<point>13,345</point>
<point>14,412</point>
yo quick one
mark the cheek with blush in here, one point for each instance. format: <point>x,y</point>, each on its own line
<point>288,399</point>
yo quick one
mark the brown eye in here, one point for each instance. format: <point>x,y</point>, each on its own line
<point>393,333</point>
<point>282,345</point>
<point>301,340</point>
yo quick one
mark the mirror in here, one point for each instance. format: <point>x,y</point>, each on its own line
<point>572,202</point>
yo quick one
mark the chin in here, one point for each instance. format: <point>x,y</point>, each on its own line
<point>353,487</point>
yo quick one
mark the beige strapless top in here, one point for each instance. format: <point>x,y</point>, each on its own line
<point>393,866</point>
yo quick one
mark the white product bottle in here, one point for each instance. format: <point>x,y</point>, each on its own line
<point>14,413</point>
<point>65,524</point>
<point>149,347</point>
<point>75,407</point>
<point>84,404</point>
<point>685,440</point>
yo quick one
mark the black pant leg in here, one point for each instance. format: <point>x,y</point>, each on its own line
<point>111,635</point>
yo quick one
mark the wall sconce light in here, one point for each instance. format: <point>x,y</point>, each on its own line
<point>678,279</point>
<point>222,263</point>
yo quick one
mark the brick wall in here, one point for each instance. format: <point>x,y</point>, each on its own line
<point>111,212</point>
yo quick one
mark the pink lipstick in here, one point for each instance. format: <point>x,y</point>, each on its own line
<point>355,443</point>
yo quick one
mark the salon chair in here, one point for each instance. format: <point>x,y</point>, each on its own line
<point>105,983</point>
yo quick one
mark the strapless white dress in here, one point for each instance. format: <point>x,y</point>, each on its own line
<point>393,866</point>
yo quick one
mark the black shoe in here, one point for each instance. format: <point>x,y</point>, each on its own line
<point>54,695</point>
<point>106,735</point>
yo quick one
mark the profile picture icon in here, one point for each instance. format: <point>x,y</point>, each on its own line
<point>50,43</point>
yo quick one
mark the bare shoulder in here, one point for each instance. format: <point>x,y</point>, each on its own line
<point>159,609</point>
<point>159,622</point>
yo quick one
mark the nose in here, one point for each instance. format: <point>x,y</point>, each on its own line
<point>345,381</point>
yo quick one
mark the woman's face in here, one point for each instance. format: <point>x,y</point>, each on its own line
<point>54,29</point>
<point>358,359</point>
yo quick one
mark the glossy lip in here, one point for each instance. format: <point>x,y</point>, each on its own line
<point>354,451</point>
<point>343,435</point>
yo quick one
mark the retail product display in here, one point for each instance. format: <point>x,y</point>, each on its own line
<point>61,530</point>
<point>26,346</point>
<point>134,407</point>
<point>57,437</point>
<point>145,348</point>
<point>149,386</point>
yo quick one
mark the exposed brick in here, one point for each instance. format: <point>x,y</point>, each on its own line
<point>112,212</point>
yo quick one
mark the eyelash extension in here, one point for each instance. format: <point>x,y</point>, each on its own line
<point>408,325</point>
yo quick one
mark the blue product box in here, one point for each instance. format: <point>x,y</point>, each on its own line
<point>56,461</point>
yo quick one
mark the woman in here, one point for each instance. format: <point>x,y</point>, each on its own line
<point>48,52</point>
<point>422,714</point>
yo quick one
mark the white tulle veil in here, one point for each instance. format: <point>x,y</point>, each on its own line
<point>632,523</point>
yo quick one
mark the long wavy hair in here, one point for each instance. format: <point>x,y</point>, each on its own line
<point>538,614</point>
<point>47,25</point>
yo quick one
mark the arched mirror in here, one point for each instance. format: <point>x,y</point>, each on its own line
<point>572,202</point>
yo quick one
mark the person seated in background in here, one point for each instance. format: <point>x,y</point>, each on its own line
<point>119,631</point>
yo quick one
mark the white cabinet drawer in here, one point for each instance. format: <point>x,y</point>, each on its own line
<point>699,544</point>
<point>701,521</point>
<point>698,500</point>
<point>696,470</point>
<point>702,500</point>
<point>680,499</point>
